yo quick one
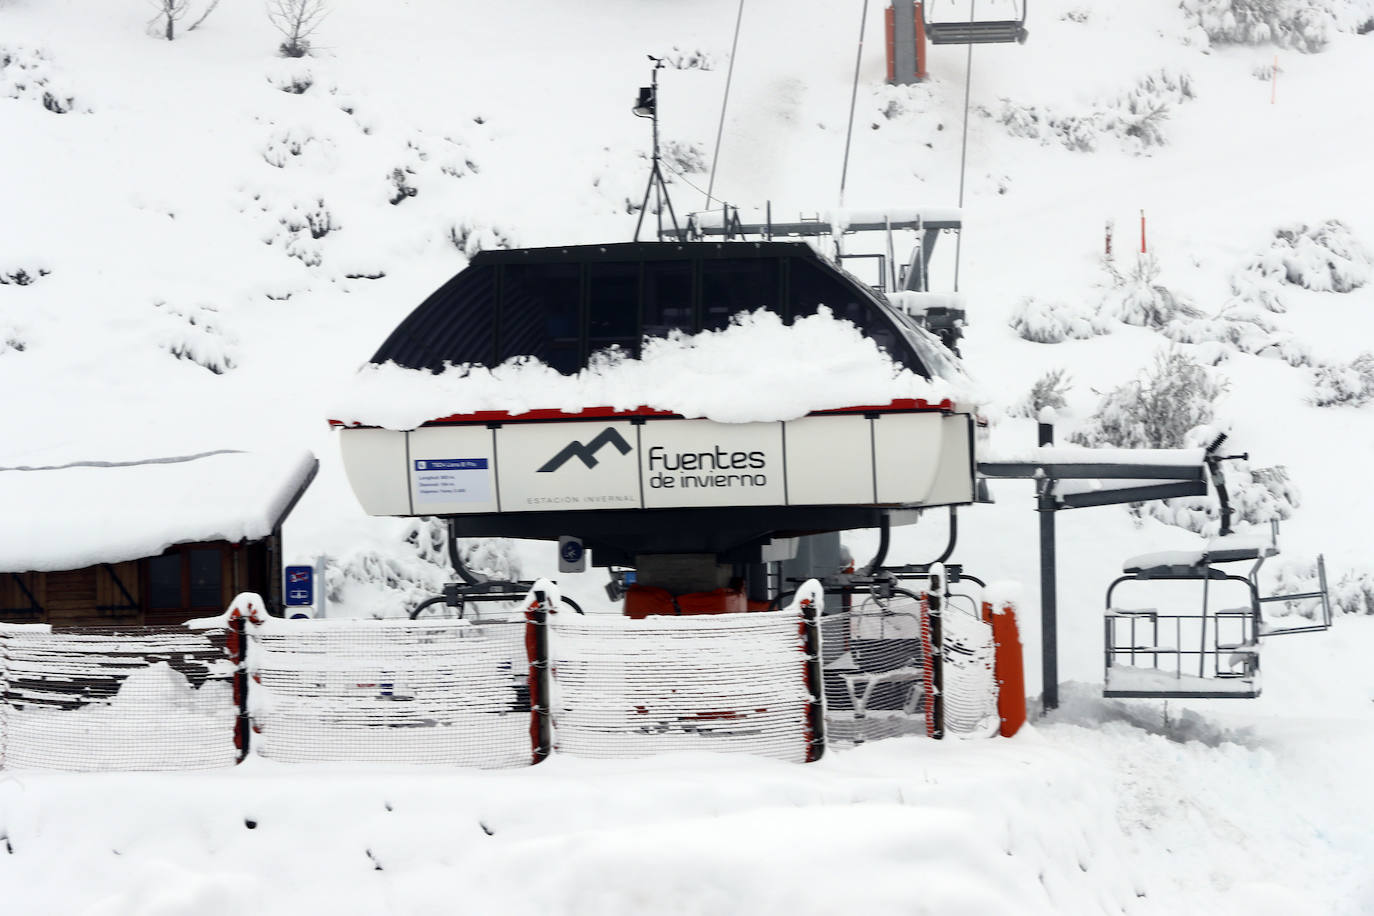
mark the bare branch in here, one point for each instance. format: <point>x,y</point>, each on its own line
<point>208,10</point>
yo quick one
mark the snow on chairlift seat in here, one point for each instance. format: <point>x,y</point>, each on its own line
<point>1230,548</point>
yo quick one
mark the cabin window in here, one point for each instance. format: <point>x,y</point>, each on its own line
<point>206,574</point>
<point>810,287</point>
<point>541,314</point>
<point>736,285</point>
<point>164,582</point>
<point>613,307</point>
<point>188,578</point>
<point>667,298</point>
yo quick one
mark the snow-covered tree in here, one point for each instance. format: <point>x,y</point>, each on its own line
<point>297,20</point>
<point>1158,410</point>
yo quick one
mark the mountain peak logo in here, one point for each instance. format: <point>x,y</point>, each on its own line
<point>586,453</point>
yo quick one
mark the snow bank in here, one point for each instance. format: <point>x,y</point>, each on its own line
<point>756,370</point>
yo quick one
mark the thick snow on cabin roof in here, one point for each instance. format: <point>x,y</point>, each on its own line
<point>81,514</point>
<point>756,370</point>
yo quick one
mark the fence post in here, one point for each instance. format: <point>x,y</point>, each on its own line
<point>932,656</point>
<point>537,649</point>
<point>815,707</point>
<point>237,646</point>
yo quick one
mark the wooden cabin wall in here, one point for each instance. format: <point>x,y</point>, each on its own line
<point>93,596</point>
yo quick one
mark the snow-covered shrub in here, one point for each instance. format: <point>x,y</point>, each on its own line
<point>1243,329</point>
<point>1325,258</point>
<point>27,73</point>
<point>1135,119</point>
<point>1157,410</point>
<point>1136,298</point>
<point>395,580</point>
<point>1304,25</point>
<point>1353,593</point>
<point>11,341</point>
<point>683,157</point>
<point>195,334</point>
<point>695,59</point>
<point>1352,383</point>
<point>1257,496</point>
<point>402,189</point>
<point>21,274</point>
<point>296,227</point>
<point>1050,390</point>
<point>296,145</point>
<point>470,238</point>
<point>1054,322</point>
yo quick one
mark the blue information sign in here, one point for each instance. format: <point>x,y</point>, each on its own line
<point>300,586</point>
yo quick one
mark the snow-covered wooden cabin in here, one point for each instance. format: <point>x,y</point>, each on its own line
<point>154,541</point>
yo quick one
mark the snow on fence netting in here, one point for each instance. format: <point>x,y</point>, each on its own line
<point>447,692</point>
<point>724,683</point>
<point>874,668</point>
<point>117,698</point>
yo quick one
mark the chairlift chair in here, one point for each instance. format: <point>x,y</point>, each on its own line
<point>946,23</point>
<point>1209,652</point>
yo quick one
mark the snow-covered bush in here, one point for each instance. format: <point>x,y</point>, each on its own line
<point>1054,322</point>
<point>470,238</point>
<point>402,189</point>
<point>1304,25</point>
<point>195,334</point>
<point>295,146</point>
<point>695,59</point>
<point>395,580</point>
<point>1135,118</point>
<point>1050,390</point>
<point>27,73</point>
<point>1158,410</point>
<point>683,157</point>
<point>1325,258</point>
<point>295,227</point>
<point>1243,329</point>
<point>21,274</point>
<point>1352,383</point>
<point>1136,298</point>
<point>11,341</point>
<point>1257,496</point>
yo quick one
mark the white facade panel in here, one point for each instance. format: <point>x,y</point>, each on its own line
<point>906,455</point>
<point>375,462</point>
<point>830,461</point>
<point>953,483</point>
<point>703,463</point>
<point>451,470</point>
<point>576,465</point>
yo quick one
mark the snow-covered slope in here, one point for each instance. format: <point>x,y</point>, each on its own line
<point>204,240</point>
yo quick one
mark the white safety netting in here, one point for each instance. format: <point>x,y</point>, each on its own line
<point>970,682</point>
<point>126,698</point>
<point>873,668</point>
<point>445,692</point>
<point>724,683</point>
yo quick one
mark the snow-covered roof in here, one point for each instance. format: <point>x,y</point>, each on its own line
<point>76,515</point>
<point>757,369</point>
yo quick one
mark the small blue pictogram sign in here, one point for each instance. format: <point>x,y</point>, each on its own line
<point>300,586</point>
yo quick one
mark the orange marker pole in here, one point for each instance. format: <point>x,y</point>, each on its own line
<point>1274,83</point>
<point>1142,231</point>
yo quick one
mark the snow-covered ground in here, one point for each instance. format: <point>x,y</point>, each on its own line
<point>195,256</point>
